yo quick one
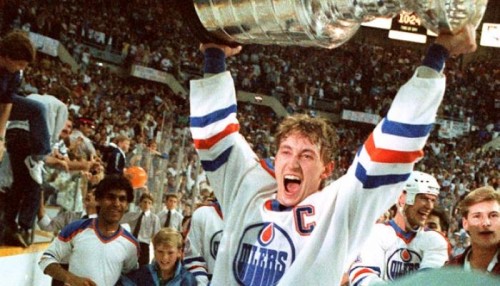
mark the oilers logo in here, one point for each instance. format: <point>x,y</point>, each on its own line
<point>402,262</point>
<point>214,243</point>
<point>265,252</point>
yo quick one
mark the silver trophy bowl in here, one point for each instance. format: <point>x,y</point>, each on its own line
<point>321,23</point>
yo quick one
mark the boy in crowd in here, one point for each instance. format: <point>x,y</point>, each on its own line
<point>167,268</point>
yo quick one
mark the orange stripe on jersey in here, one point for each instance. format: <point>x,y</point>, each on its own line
<point>208,143</point>
<point>361,272</point>
<point>390,156</point>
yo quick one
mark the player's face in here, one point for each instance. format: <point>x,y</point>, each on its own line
<point>433,222</point>
<point>166,256</point>
<point>146,204</point>
<point>483,224</point>
<point>418,213</point>
<point>299,169</point>
<point>112,206</point>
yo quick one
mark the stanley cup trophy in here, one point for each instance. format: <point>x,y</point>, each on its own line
<point>321,23</point>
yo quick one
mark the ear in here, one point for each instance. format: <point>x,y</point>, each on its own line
<point>465,223</point>
<point>329,167</point>
<point>402,199</point>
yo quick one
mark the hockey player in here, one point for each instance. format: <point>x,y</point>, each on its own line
<point>403,245</point>
<point>203,241</point>
<point>100,249</point>
<point>292,228</point>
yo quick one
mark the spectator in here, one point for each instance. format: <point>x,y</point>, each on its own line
<point>116,160</point>
<point>438,220</point>
<point>167,268</point>
<point>27,139</point>
<point>79,138</point>
<point>480,211</point>
<point>145,225</point>
<point>170,216</point>
<point>64,218</point>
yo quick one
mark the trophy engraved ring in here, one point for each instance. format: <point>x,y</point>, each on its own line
<point>321,23</point>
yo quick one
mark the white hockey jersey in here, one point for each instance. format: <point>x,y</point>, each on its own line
<point>391,253</point>
<point>91,254</point>
<point>202,242</point>
<point>314,242</point>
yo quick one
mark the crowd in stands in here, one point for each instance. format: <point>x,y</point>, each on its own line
<point>356,76</point>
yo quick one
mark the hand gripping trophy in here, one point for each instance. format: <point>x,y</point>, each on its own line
<point>321,23</point>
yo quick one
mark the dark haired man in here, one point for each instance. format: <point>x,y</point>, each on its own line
<point>98,250</point>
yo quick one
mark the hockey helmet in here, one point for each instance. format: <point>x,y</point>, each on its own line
<point>420,183</point>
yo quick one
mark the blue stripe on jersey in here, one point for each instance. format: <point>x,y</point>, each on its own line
<point>212,117</point>
<point>371,182</point>
<point>48,254</point>
<point>193,259</point>
<point>199,273</point>
<point>213,165</point>
<point>405,130</point>
<point>75,227</point>
<point>359,282</point>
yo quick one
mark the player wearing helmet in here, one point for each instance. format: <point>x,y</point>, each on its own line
<point>403,245</point>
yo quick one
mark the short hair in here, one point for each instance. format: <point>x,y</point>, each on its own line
<point>17,46</point>
<point>62,93</point>
<point>168,236</point>
<point>114,182</point>
<point>479,195</point>
<point>146,196</point>
<point>444,221</point>
<point>121,138</point>
<point>168,196</point>
<point>84,121</point>
<point>318,130</point>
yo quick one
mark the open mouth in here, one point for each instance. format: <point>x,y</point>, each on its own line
<point>486,233</point>
<point>292,183</point>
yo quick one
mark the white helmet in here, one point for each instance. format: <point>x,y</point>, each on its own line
<point>420,183</point>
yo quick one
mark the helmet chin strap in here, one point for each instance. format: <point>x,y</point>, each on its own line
<point>407,223</point>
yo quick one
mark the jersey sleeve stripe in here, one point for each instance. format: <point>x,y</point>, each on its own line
<point>371,182</point>
<point>268,166</point>
<point>390,156</point>
<point>193,260</point>
<point>213,165</point>
<point>358,274</point>
<point>405,130</point>
<point>376,168</point>
<point>72,229</point>
<point>213,117</point>
<point>208,143</point>
<point>199,273</point>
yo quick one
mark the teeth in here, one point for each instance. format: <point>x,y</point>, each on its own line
<point>290,177</point>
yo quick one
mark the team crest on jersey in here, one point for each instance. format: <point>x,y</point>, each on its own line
<point>264,254</point>
<point>214,243</point>
<point>402,262</point>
